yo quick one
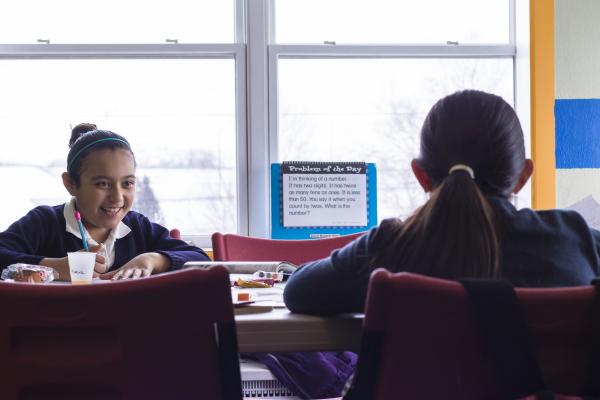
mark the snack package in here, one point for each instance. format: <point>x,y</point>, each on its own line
<point>254,283</point>
<point>29,273</point>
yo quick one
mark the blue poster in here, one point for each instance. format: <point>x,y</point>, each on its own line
<point>312,200</point>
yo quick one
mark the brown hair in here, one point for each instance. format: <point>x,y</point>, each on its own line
<point>80,129</point>
<point>454,233</point>
<point>85,138</point>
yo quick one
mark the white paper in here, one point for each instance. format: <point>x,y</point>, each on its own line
<point>589,209</point>
<point>324,200</point>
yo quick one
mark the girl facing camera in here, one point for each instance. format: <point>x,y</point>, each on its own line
<point>101,179</point>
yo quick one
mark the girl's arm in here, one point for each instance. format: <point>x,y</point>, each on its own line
<point>28,240</point>
<point>22,241</point>
<point>333,285</point>
<point>163,253</point>
<point>140,266</point>
<point>177,251</point>
<point>61,265</point>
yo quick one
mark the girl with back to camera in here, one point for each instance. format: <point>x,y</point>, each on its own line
<point>472,159</point>
<point>100,177</point>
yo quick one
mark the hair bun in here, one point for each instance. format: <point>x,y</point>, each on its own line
<point>79,130</point>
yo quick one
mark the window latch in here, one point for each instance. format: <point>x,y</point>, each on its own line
<point>47,41</point>
<point>455,43</point>
<point>174,41</point>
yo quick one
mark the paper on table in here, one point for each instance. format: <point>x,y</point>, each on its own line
<point>589,209</point>
<point>272,297</point>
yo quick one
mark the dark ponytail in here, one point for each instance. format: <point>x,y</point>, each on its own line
<point>454,233</point>
<point>80,129</point>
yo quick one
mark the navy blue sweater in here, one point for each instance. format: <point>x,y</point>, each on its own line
<point>538,249</point>
<point>42,234</point>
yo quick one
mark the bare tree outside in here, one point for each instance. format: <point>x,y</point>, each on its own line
<point>220,211</point>
<point>299,134</point>
<point>398,143</point>
<point>393,102</point>
<point>146,201</point>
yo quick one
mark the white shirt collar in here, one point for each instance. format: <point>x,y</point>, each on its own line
<point>72,227</point>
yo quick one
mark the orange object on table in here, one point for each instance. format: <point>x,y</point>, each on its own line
<point>243,296</point>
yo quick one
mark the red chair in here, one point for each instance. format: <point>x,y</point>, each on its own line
<point>421,339</point>
<point>170,336</point>
<point>232,247</point>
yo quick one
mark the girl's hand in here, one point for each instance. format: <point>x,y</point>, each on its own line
<point>100,267</point>
<point>61,265</point>
<point>140,266</point>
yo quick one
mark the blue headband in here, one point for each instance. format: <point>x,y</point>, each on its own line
<point>95,142</point>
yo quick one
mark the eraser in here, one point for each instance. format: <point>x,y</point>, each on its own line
<point>243,296</point>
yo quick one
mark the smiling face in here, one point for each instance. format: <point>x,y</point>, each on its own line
<point>106,191</point>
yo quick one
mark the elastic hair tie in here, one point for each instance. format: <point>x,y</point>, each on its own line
<point>95,142</point>
<point>462,167</point>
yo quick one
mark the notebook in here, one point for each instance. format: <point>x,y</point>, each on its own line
<point>246,267</point>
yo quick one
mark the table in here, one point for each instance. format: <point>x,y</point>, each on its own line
<point>280,330</point>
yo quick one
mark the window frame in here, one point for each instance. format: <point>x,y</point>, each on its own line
<point>517,49</point>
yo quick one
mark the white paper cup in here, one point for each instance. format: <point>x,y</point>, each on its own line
<point>81,266</point>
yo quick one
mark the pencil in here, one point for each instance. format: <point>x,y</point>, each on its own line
<point>83,238</point>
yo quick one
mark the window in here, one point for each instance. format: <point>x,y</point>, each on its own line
<point>117,21</point>
<point>392,21</point>
<point>176,102</point>
<point>358,84</point>
<point>210,92</point>
<point>321,116</point>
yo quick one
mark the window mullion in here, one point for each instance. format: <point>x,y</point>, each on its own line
<point>258,123</point>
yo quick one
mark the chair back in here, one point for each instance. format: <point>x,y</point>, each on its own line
<point>422,340</point>
<point>169,336</point>
<point>232,247</point>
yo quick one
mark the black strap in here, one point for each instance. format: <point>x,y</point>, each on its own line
<point>505,335</point>
<point>592,384</point>
<point>229,363</point>
<point>364,379</point>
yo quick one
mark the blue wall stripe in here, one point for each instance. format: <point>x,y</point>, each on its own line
<point>577,133</point>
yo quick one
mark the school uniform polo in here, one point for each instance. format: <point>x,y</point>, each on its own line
<point>538,249</point>
<point>43,233</point>
<point>108,250</point>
